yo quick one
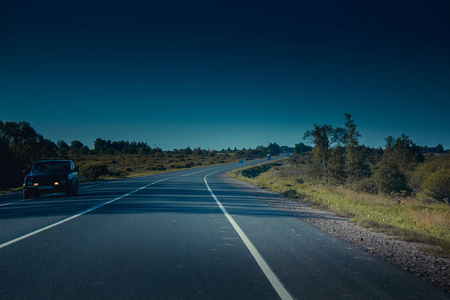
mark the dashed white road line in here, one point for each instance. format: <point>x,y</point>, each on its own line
<point>4,204</point>
<point>276,283</point>
<point>27,235</point>
<point>189,174</point>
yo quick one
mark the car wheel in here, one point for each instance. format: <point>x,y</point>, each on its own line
<point>75,190</point>
<point>26,194</point>
<point>69,191</point>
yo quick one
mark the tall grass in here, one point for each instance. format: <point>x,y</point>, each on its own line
<point>405,218</point>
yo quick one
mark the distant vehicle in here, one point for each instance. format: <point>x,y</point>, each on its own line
<point>51,176</point>
<point>269,157</point>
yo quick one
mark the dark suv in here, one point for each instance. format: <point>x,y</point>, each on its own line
<point>51,176</point>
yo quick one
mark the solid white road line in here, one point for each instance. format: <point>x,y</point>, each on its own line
<point>276,283</point>
<point>27,235</point>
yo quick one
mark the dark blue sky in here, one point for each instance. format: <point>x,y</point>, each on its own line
<point>219,74</point>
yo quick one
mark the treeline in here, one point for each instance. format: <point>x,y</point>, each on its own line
<point>21,145</point>
<point>400,169</point>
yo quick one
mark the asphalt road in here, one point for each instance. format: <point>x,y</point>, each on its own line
<point>181,235</point>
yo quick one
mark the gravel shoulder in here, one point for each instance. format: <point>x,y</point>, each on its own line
<point>406,255</point>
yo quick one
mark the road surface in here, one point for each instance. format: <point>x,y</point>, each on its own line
<point>181,235</point>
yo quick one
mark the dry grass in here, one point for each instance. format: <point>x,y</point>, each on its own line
<point>405,218</point>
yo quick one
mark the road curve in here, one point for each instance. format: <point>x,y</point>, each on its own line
<point>181,235</point>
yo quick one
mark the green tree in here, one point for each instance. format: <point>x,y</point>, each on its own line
<point>188,151</point>
<point>339,136</point>
<point>100,146</point>
<point>273,149</point>
<point>22,140</point>
<point>301,148</point>
<point>356,166</point>
<point>75,147</point>
<point>63,149</point>
<point>336,166</point>
<point>321,136</point>
<point>389,179</point>
<point>406,154</point>
<point>397,164</point>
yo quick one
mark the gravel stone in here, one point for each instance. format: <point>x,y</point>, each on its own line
<point>406,255</point>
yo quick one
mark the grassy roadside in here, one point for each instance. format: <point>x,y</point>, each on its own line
<point>403,218</point>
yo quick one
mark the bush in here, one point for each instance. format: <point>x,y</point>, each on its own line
<point>431,165</point>
<point>389,179</point>
<point>366,185</point>
<point>315,172</point>
<point>157,168</point>
<point>93,170</point>
<point>290,194</point>
<point>256,170</point>
<point>437,185</point>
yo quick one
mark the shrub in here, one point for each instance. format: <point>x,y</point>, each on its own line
<point>93,170</point>
<point>290,194</point>
<point>366,185</point>
<point>315,172</point>
<point>437,185</point>
<point>156,168</point>
<point>431,165</point>
<point>300,180</point>
<point>389,179</point>
<point>256,170</point>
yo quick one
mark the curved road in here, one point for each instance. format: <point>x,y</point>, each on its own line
<point>181,235</point>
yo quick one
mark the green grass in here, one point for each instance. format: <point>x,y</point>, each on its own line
<point>404,218</point>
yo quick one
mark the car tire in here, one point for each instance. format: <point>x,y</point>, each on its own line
<point>26,194</point>
<point>69,191</point>
<point>75,190</point>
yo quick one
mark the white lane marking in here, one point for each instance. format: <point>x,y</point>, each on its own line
<point>276,283</point>
<point>12,202</point>
<point>194,173</point>
<point>27,235</point>
<point>90,186</point>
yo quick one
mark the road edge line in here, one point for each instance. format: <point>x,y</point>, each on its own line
<point>273,279</point>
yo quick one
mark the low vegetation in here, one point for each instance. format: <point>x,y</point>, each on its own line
<point>402,190</point>
<point>101,167</point>
<point>407,218</point>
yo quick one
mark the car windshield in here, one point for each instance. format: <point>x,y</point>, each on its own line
<point>50,166</point>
